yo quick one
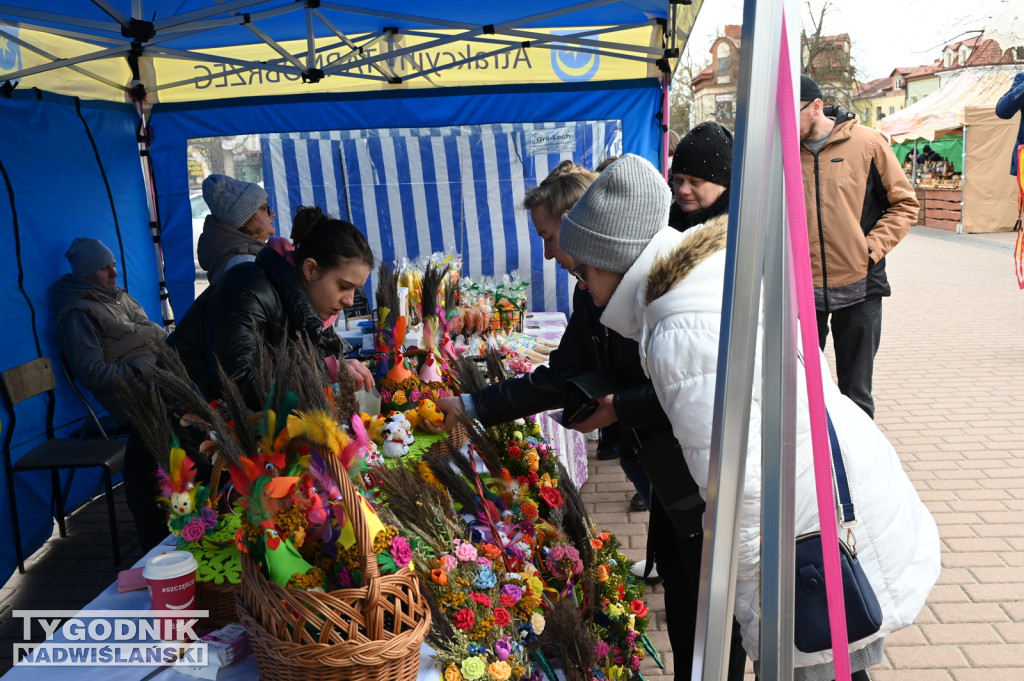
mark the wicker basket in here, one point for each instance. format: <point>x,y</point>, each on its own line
<point>370,633</point>
<point>219,600</point>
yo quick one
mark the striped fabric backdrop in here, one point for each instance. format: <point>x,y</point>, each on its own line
<point>414,191</point>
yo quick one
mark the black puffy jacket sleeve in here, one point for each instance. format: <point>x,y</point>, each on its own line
<point>637,407</point>
<point>245,305</point>
<point>544,389</point>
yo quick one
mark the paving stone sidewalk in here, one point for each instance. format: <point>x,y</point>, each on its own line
<point>949,388</point>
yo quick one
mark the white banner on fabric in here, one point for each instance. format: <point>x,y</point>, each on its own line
<point>555,141</point>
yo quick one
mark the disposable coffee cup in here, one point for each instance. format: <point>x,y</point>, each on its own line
<point>171,580</point>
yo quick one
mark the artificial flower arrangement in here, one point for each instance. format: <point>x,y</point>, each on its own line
<point>621,618</point>
<point>293,519</point>
<point>407,377</point>
<point>487,602</point>
<point>587,578</point>
<point>523,532</point>
<point>190,514</point>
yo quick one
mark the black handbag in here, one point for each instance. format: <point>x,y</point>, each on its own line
<point>863,614</point>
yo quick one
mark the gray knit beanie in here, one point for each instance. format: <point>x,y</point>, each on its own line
<point>88,255</point>
<point>232,201</point>
<point>617,217</point>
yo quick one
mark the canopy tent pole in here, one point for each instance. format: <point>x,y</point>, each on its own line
<point>154,216</point>
<point>751,208</point>
<point>779,391</point>
<point>138,97</point>
<point>666,79</point>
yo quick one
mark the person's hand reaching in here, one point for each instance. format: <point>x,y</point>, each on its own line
<point>452,408</point>
<point>361,376</point>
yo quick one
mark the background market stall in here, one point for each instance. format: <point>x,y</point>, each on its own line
<point>986,200</point>
<point>426,131</point>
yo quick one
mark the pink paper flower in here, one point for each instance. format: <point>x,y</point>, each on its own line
<point>449,562</point>
<point>602,649</point>
<point>194,530</point>
<point>466,552</point>
<point>401,551</point>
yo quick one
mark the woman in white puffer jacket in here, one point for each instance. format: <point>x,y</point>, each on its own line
<point>664,289</point>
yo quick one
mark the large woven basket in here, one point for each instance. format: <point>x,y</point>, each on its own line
<point>370,633</point>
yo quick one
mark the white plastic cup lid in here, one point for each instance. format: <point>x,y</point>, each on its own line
<point>170,565</point>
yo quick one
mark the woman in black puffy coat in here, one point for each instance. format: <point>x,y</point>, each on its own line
<point>299,290</point>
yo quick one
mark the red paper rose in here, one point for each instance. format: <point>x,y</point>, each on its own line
<point>638,608</point>
<point>507,600</point>
<point>552,497</point>
<point>501,617</point>
<point>464,619</point>
<point>481,599</point>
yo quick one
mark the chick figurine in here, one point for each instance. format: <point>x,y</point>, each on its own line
<point>427,411</point>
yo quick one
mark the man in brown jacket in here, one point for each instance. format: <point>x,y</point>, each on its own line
<point>859,206</point>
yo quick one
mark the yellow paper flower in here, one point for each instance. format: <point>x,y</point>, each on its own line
<point>546,481</point>
<point>499,671</point>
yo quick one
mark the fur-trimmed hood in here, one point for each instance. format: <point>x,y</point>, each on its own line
<point>675,266</point>
<point>642,297</point>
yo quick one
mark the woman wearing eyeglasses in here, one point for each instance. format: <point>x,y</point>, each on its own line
<point>238,226</point>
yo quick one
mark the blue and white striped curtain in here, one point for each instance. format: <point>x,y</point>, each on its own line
<point>414,191</point>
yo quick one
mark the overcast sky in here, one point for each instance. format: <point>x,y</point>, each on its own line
<point>884,33</point>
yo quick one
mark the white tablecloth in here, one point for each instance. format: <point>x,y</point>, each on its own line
<point>110,599</point>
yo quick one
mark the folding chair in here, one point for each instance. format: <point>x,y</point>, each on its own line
<point>22,383</point>
<point>104,427</point>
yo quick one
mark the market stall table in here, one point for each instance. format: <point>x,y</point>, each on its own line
<point>570,445</point>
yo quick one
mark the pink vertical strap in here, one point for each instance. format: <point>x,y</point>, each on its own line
<point>797,220</point>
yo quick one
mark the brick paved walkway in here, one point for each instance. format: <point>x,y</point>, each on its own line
<point>949,389</point>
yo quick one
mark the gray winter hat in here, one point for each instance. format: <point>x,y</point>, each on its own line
<point>232,201</point>
<point>617,217</point>
<point>88,255</point>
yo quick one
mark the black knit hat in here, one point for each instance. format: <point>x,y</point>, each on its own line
<point>809,90</point>
<point>705,152</point>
